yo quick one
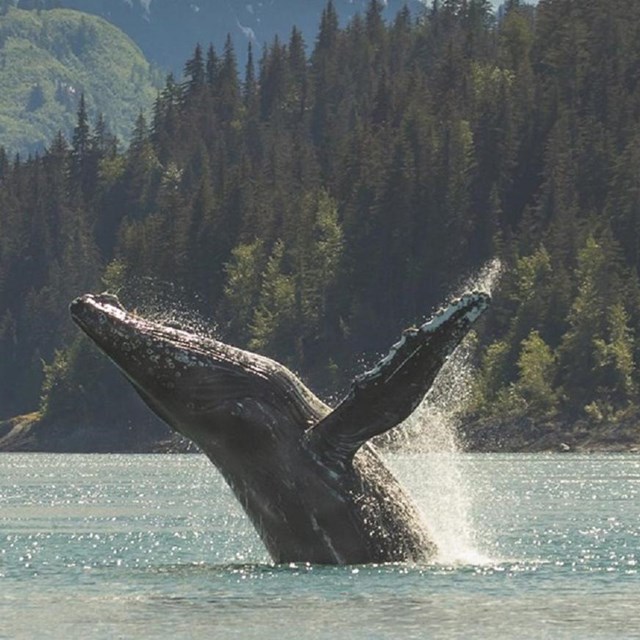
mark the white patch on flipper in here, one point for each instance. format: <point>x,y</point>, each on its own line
<point>428,327</point>
<point>442,316</point>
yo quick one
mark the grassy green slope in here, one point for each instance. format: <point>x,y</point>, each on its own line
<point>48,58</point>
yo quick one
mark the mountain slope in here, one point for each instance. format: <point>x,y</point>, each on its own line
<point>48,58</point>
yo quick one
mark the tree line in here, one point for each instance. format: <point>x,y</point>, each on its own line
<point>322,198</point>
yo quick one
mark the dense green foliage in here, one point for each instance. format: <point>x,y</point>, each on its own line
<point>323,202</point>
<point>49,58</point>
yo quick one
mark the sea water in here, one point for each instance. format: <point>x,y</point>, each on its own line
<point>135,546</point>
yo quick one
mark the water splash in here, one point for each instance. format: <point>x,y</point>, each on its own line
<point>432,431</point>
<point>485,279</point>
<point>166,303</point>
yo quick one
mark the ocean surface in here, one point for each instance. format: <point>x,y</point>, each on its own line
<point>135,546</point>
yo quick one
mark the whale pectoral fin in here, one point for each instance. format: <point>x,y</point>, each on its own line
<point>384,396</point>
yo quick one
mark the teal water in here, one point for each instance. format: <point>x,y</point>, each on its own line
<point>533,546</point>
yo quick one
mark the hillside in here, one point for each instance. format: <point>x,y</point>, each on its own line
<point>49,58</point>
<point>315,204</point>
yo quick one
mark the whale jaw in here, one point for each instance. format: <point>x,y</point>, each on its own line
<point>198,385</point>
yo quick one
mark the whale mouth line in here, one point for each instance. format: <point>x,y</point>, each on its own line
<point>110,307</point>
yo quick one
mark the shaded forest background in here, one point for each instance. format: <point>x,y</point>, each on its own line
<point>321,199</point>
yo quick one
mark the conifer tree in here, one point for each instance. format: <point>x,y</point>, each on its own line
<point>84,158</point>
<point>228,85</point>
<point>194,71</point>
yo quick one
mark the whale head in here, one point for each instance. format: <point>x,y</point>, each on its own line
<point>212,393</point>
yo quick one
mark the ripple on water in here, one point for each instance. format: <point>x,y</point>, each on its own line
<point>141,546</point>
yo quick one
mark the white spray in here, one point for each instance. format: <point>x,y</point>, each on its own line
<point>430,438</point>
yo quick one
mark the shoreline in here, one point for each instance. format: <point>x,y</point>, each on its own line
<point>525,435</point>
<point>29,433</point>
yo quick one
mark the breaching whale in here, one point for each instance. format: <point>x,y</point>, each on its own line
<point>312,485</point>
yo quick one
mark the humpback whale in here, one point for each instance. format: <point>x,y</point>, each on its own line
<point>306,475</point>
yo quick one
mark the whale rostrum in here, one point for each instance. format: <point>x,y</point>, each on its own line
<point>307,476</point>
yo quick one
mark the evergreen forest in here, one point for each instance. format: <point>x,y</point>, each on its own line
<point>313,203</point>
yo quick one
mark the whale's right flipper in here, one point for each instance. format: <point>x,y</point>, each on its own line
<point>384,396</point>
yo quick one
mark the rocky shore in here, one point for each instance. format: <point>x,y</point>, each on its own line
<point>140,434</point>
<point>30,433</point>
<point>526,435</point>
